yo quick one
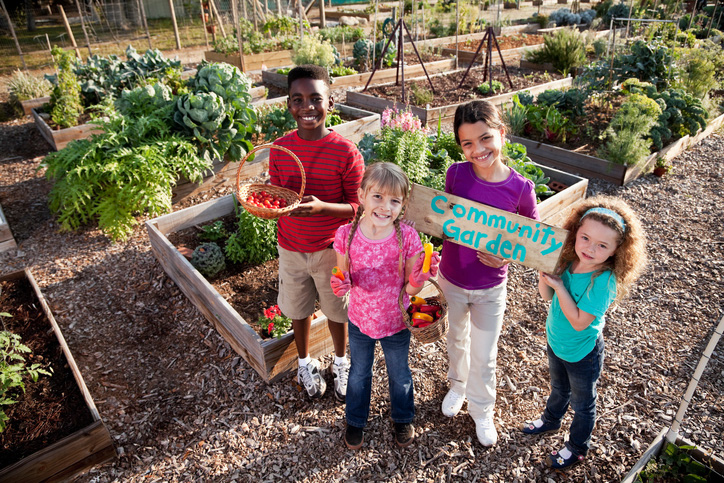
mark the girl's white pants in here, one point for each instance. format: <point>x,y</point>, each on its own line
<point>475,318</point>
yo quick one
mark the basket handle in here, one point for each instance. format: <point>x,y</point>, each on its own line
<point>270,146</point>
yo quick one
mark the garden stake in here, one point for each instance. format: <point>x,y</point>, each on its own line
<point>713,14</point>
<point>674,430</point>
<point>488,62</point>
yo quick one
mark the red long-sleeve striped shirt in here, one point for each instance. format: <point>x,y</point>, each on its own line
<point>333,168</point>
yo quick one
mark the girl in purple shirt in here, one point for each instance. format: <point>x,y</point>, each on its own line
<point>474,282</point>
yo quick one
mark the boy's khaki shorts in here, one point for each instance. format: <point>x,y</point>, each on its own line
<point>303,277</point>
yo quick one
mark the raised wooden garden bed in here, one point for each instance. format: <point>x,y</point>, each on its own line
<point>382,76</point>
<point>91,445</point>
<point>510,56</point>
<point>431,115</point>
<point>593,167</point>
<point>530,28</point>
<point>271,358</point>
<point>381,15</point>
<point>657,446</point>
<point>7,242</point>
<point>59,138</point>
<point>224,173</point>
<point>30,104</point>
<point>280,58</point>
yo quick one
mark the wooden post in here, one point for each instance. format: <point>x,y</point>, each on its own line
<point>203,23</point>
<point>322,16</point>
<point>218,17</point>
<point>457,28</point>
<point>301,21</point>
<point>175,25</point>
<point>253,14</point>
<point>713,15</point>
<point>82,24</point>
<point>279,8</point>
<point>145,23</point>
<point>15,37</point>
<point>212,22</point>
<point>67,29</point>
<point>630,12</point>
<point>374,35</point>
<point>246,13</point>
<point>238,34</point>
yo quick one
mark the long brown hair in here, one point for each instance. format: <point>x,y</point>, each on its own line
<point>629,260</point>
<point>387,178</point>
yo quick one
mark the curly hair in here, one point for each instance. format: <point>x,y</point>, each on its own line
<point>313,72</point>
<point>387,178</point>
<point>629,260</point>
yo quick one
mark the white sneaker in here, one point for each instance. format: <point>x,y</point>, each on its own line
<point>309,377</point>
<point>452,403</point>
<point>341,374</point>
<point>485,428</point>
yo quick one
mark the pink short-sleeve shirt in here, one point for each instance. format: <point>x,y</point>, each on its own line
<point>376,279</point>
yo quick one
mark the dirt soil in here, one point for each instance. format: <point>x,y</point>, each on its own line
<point>182,406</point>
<point>50,408</point>
<point>504,42</point>
<point>447,91</point>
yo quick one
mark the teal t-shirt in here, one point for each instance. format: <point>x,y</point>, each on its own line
<point>591,296</point>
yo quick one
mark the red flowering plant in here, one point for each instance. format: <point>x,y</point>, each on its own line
<point>274,323</point>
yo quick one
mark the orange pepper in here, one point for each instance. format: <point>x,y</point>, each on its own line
<point>421,316</point>
<point>428,258</point>
<point>417,300</point>
<point>337,272</point>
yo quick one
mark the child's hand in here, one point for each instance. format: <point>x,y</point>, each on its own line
<point>417,277</point>
<point>340,287</point>
<point>492,261</point>
<point>552,281</point>
<point>309,206</point>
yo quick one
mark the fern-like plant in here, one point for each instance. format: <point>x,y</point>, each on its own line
<point>128,169</point>
<point>13,369</point>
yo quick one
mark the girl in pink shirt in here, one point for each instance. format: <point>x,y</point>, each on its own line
<point>378,255</point>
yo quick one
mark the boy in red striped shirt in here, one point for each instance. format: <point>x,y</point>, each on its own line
<point>333,168</point>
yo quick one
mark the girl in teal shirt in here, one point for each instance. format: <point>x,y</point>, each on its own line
<point>604,254</point>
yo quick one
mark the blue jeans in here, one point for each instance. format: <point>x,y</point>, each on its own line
<point>359,385</point>
<point>574,384</point>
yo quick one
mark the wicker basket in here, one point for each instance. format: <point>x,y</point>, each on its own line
<point>436,330</point>
<point>292,198</point>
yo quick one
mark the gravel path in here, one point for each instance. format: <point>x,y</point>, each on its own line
<point>181,406</point>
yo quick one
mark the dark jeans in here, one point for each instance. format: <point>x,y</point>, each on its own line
<point>574,384</point>
<point>359,385</point>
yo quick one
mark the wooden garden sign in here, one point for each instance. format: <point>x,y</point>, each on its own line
<point>482,227</point>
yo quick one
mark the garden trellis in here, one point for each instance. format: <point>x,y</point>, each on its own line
<point>400,54</point>
<point>611,49</point>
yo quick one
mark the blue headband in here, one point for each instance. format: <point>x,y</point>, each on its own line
<point>610,213</point>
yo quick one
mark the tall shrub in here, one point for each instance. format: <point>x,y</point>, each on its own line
<point>65,99</point>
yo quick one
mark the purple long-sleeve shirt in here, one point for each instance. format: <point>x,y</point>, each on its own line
<point>460,264</point>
